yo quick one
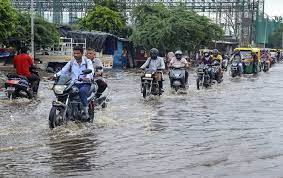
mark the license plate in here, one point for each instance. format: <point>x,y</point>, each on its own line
<point>13,81</point>
<point>11,89</point>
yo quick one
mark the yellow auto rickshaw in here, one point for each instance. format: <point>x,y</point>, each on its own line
<point>247,59</point>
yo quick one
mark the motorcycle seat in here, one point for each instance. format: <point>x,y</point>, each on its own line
<point>16,76</point>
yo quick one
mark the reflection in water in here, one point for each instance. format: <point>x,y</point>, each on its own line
<point>73,154</point>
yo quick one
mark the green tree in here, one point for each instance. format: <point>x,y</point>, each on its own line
<point>103,19</point>
<point>8,20</point>
<point>45,34</point>
<point>172,29</point>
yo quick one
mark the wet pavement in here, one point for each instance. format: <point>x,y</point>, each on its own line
<point>234,129</point>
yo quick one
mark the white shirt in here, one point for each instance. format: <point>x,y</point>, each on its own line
<point>97,63</point>
<point>178,63</point>
<point>154,64</point>
<point>77,69</point>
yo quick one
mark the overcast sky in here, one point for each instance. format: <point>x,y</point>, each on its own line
<point>274,7</point>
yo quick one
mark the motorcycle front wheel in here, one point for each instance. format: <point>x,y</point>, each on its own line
<point>55,117</point>
<point>198,83</point>
<point>145,91</point>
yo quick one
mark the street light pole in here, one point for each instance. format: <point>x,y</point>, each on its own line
<point>32,29</point>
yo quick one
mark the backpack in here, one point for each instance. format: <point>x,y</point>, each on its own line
<point>72,62</point>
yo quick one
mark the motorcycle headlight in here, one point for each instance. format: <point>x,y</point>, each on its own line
<point>59,89</point>
<point>148,75</point>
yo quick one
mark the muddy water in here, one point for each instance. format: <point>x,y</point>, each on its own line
<point>231,130</point>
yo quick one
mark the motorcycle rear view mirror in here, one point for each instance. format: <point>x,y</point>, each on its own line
<point>87,71</point>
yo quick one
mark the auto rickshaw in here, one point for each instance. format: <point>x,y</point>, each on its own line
<point>247,59</point>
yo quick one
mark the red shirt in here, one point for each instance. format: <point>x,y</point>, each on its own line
<point>23,63</point>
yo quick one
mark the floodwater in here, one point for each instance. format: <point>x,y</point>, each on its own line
<point>234,129</point>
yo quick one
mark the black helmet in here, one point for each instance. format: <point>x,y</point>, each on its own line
<point>153,53</point>
<point>178,54</point>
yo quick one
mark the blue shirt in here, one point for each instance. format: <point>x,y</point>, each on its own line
<point>77,69</point>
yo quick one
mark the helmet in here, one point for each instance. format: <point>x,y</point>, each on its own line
<point>178,54</point>
<point>215,51</point>
<point>154,53</point>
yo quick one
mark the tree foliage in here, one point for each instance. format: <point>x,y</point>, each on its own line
<point>103,19</point>
<point>112,4</point>
<point>8,20</point>
<point>172,29</point>
<point>45,33</point>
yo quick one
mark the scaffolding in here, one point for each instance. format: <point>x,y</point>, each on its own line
<point>238,18</point>
<point>56,10</point>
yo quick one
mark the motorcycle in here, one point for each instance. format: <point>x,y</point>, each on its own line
<point>235,69</point>
<point>18,86</point>
<point>177,78</point>
<point>150,83</point>
<point>203,78</point>
<point>67,106</point>
<point>264,66</point>
<point>273,60</point>
<point>216,71</point>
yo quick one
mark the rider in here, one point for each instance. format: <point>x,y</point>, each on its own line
<point>179,62</point>
<point>265,57</point>
<point>74,68</point>
<point>98,71</point>
<point>216,57</point>
<point>255,62</point>
<point>154,62</point>
<point>237,57</point>
<point>206,60</point>
<point>22,63</point>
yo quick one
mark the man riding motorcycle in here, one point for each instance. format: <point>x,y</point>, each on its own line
<point>98,67</point>
<point>154,62</point>
<point>179,62</point>
<point>237,57</point>
<point>265,57</point>
<point>23,62</point>
<point>216,57</point>
<point>74,68</point>
<point>206,59</point>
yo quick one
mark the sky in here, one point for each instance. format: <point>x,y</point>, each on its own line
<point>274,7</point>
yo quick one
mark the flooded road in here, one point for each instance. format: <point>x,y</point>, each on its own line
<point>234,129</point>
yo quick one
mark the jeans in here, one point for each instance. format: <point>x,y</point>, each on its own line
<point>84,89</point>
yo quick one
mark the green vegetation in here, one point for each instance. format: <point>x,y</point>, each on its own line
<point>8,20</point>
<point>45,33</point>
<point>103,19</point>
<point>172,29</point>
